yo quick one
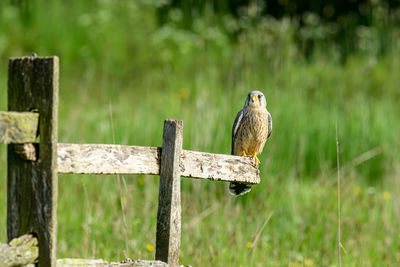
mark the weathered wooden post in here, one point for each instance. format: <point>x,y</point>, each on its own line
<point>32,185</point>
<point>169,199</point>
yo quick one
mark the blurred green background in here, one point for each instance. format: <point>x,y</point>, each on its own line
<point>128,65</point>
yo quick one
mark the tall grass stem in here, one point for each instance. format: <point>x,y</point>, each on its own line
<point>338,199</point>
<point>120,189</point>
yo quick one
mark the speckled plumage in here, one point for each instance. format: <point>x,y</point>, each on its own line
<point>250,131</point>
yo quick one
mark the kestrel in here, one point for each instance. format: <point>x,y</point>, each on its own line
<point>250,131</point>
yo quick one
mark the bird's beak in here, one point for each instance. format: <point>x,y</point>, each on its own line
<point>253,98</point>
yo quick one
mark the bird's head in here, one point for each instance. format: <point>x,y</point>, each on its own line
<point>256,99</point>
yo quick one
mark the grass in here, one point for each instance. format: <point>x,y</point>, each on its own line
<point>147,76</point>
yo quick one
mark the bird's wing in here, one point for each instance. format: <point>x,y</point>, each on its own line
<point>235,127</point>
<point>269,125</point>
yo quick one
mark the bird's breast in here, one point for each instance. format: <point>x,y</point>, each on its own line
<point>256,121</point>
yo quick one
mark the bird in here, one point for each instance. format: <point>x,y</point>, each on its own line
<point>251,129</point>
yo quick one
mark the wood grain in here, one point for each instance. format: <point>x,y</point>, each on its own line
<point>18,127</point>
<point>108,159</point>
<point>116,159</point>
<point>219,167</point>
<point>32,186</point>
<point>168,237</point>
<point>20,251</point>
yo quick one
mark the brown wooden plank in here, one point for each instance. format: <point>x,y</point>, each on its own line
<point>18,127</point>
<point>32,186</point>
<point>169,198</point>
<point>117,159</point>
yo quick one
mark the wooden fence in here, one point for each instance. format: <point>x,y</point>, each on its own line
<point>35,158</point>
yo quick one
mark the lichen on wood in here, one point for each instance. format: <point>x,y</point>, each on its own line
<point>18,127</point>
<point>19,251</point>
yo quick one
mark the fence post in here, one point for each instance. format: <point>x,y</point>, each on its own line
<point>32,185</point>
<point>169,199</point>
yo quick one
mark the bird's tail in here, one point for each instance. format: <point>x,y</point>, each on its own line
<point>238,189</point>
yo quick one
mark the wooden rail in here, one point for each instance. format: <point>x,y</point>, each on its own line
<point>117,159</point>
<point>33,167</point>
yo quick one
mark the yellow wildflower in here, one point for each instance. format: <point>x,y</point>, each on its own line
<point>249,245</point>
<point>308,262</point>
<point>184,93</point>
<point>387,195</point>
<point>356,191</point>
<point>149,248</point>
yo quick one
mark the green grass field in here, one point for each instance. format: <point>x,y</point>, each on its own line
<point>122,75</point>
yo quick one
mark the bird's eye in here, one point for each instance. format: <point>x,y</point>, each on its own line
<point>259,96</point>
